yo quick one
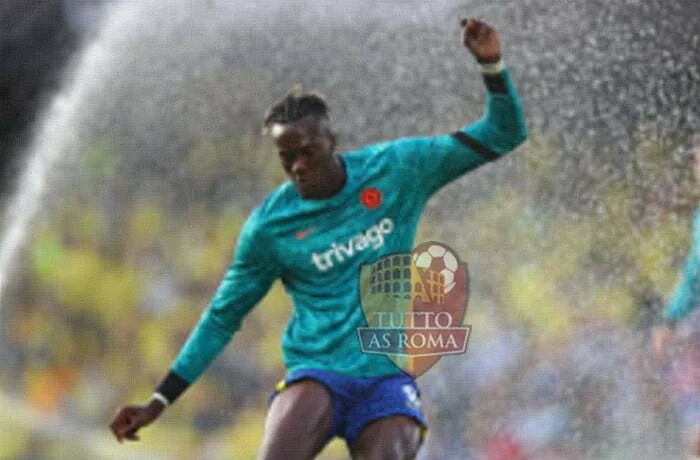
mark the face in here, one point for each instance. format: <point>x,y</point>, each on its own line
<point>307,153</point>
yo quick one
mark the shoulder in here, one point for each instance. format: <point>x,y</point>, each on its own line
<point>276,203</point>
<point>279,201</point>
<point>390,151</point>
<point>367,152</point>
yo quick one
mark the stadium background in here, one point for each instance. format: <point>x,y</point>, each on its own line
<point>572,242</point>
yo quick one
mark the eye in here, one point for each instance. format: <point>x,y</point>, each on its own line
<point>287,157</point>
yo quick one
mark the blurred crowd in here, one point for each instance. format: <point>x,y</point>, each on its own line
<point>597,395</point>
<point>95,321</point>
<point>565,240</point>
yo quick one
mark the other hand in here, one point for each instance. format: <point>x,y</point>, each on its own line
<point>130,419</point>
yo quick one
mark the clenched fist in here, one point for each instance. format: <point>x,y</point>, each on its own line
<point>130,419</point>
<point>481,39</point>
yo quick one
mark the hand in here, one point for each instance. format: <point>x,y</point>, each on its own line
<point>661,337</point>
<point>481,39</point>
<point>130,419</point>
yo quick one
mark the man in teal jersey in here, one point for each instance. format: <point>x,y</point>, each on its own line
<point>685,299</point>
<point>314,233</point>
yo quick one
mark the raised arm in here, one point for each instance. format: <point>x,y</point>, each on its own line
<point>502,127</point>
<point>436,161</point>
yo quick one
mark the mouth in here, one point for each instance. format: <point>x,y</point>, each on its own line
<point>302,180</point>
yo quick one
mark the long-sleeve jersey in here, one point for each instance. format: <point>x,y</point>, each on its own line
<point>686,296</point>
<point>317,247</point>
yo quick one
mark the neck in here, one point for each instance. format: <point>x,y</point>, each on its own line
<point>337,177</point>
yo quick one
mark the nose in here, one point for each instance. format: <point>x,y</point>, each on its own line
<point>300,166</point>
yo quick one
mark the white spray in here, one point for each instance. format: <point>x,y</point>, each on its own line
<point>51,146</point>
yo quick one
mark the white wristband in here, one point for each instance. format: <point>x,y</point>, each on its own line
<point>492,68</point>
<point>159,397</point>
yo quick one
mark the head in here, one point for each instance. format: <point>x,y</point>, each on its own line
<point>306,145</point>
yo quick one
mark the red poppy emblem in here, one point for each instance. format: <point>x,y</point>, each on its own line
<point>371,198</point>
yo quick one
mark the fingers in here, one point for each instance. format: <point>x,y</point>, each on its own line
<point>481,39</point>
<point>132,436</point>
<point>475,30</point>
<point>116,425</point>
<point>473,25</point>
<point>125,425</point>
<point>123,430</point>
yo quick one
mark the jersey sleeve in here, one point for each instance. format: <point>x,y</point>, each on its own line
<point>247,280</point>
<point>433,162</point>
<point>687,293</point>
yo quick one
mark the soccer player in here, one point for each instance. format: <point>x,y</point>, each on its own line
<point>336,213</point>
<point>685,300</point>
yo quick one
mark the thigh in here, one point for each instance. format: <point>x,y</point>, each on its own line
<point>298,423</point>
<point>397,437</point>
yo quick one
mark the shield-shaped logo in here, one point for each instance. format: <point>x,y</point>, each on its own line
<point>415,304</point>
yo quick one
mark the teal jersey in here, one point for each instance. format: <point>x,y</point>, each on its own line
<point>687,293</point>
<point>316,247</point>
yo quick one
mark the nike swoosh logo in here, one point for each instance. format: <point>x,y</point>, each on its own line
<point>304,233</point>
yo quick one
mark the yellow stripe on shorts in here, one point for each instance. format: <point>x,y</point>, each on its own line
<point>423,434</point>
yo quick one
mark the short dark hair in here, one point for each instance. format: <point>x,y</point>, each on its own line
<point>294,107</point>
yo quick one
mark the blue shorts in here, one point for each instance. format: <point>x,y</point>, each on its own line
<point>359,401</point>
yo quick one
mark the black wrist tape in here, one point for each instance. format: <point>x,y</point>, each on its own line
<point>495,83</point>
<point>172,386</point>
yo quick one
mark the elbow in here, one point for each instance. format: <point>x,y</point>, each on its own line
<point>520,135</point>
<point>511,135</point>
<point>520,130</point>
<point>516,137</point>
<point>517,127</point>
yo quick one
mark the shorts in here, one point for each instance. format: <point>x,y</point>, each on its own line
<point>359,401</point>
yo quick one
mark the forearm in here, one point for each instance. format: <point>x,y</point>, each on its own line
<point>204,344</point>
<point>503,127</point>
